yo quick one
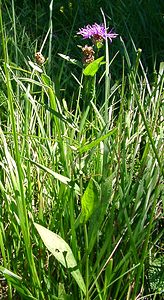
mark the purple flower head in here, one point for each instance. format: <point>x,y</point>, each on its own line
<point>97,32</point>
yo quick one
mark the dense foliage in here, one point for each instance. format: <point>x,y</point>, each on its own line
<point>81,160</point>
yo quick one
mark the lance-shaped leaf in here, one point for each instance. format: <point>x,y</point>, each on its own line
<point>17,283</point>
<point>62,252</point>
<point>88,201</point>
<point>93,67</point>
<point>58,176</point>
<point>96,142</point>
<point>71,60</point>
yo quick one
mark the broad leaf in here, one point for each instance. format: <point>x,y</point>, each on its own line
<point>93,67</point>
<point>62,252</point>
<point>88,201</point>
<point>156,275</point>
<point>62,293</point>
<point>100,211</point>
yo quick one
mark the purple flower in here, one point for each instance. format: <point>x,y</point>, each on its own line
<point>97,32</point>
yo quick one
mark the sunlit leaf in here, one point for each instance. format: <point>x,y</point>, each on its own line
<point>71,60</point>
<point>62,252</point>
<point>35,67</point>
<point>17,283</point>
<point>46,79</point>
<point>93,67</point>
<point>58,176</point>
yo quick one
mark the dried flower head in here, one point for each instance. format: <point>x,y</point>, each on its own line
<point>88,54</point>
<point>97,33</point>
<point>39,58</point>
<point>88,50</point>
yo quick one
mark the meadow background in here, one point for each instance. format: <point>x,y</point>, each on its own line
<point>81,156</point>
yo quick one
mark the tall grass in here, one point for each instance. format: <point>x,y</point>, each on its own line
<point>88,167</point>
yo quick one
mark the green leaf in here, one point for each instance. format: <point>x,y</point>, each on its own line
<point>62,252</point>
<point>8,273</point>
<point>93,67</point>
<point>62,293</point>
<point>67,121</point>
<point>17,283</point>
<point>46,80</point>
<point>58,176</point>
<point>100,211</point>
<point>96,142</point>
<point>156,275</point>
<point>88,201</point>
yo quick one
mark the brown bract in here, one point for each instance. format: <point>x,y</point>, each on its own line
<point>88,54</point>
<point>39,58</point>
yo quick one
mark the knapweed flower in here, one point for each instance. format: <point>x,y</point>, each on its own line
<point>97,33</point>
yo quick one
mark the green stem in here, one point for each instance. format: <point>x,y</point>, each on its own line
<point>86,262</point>
<point>6,262</point>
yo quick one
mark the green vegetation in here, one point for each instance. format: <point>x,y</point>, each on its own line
<point>81,164</point>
